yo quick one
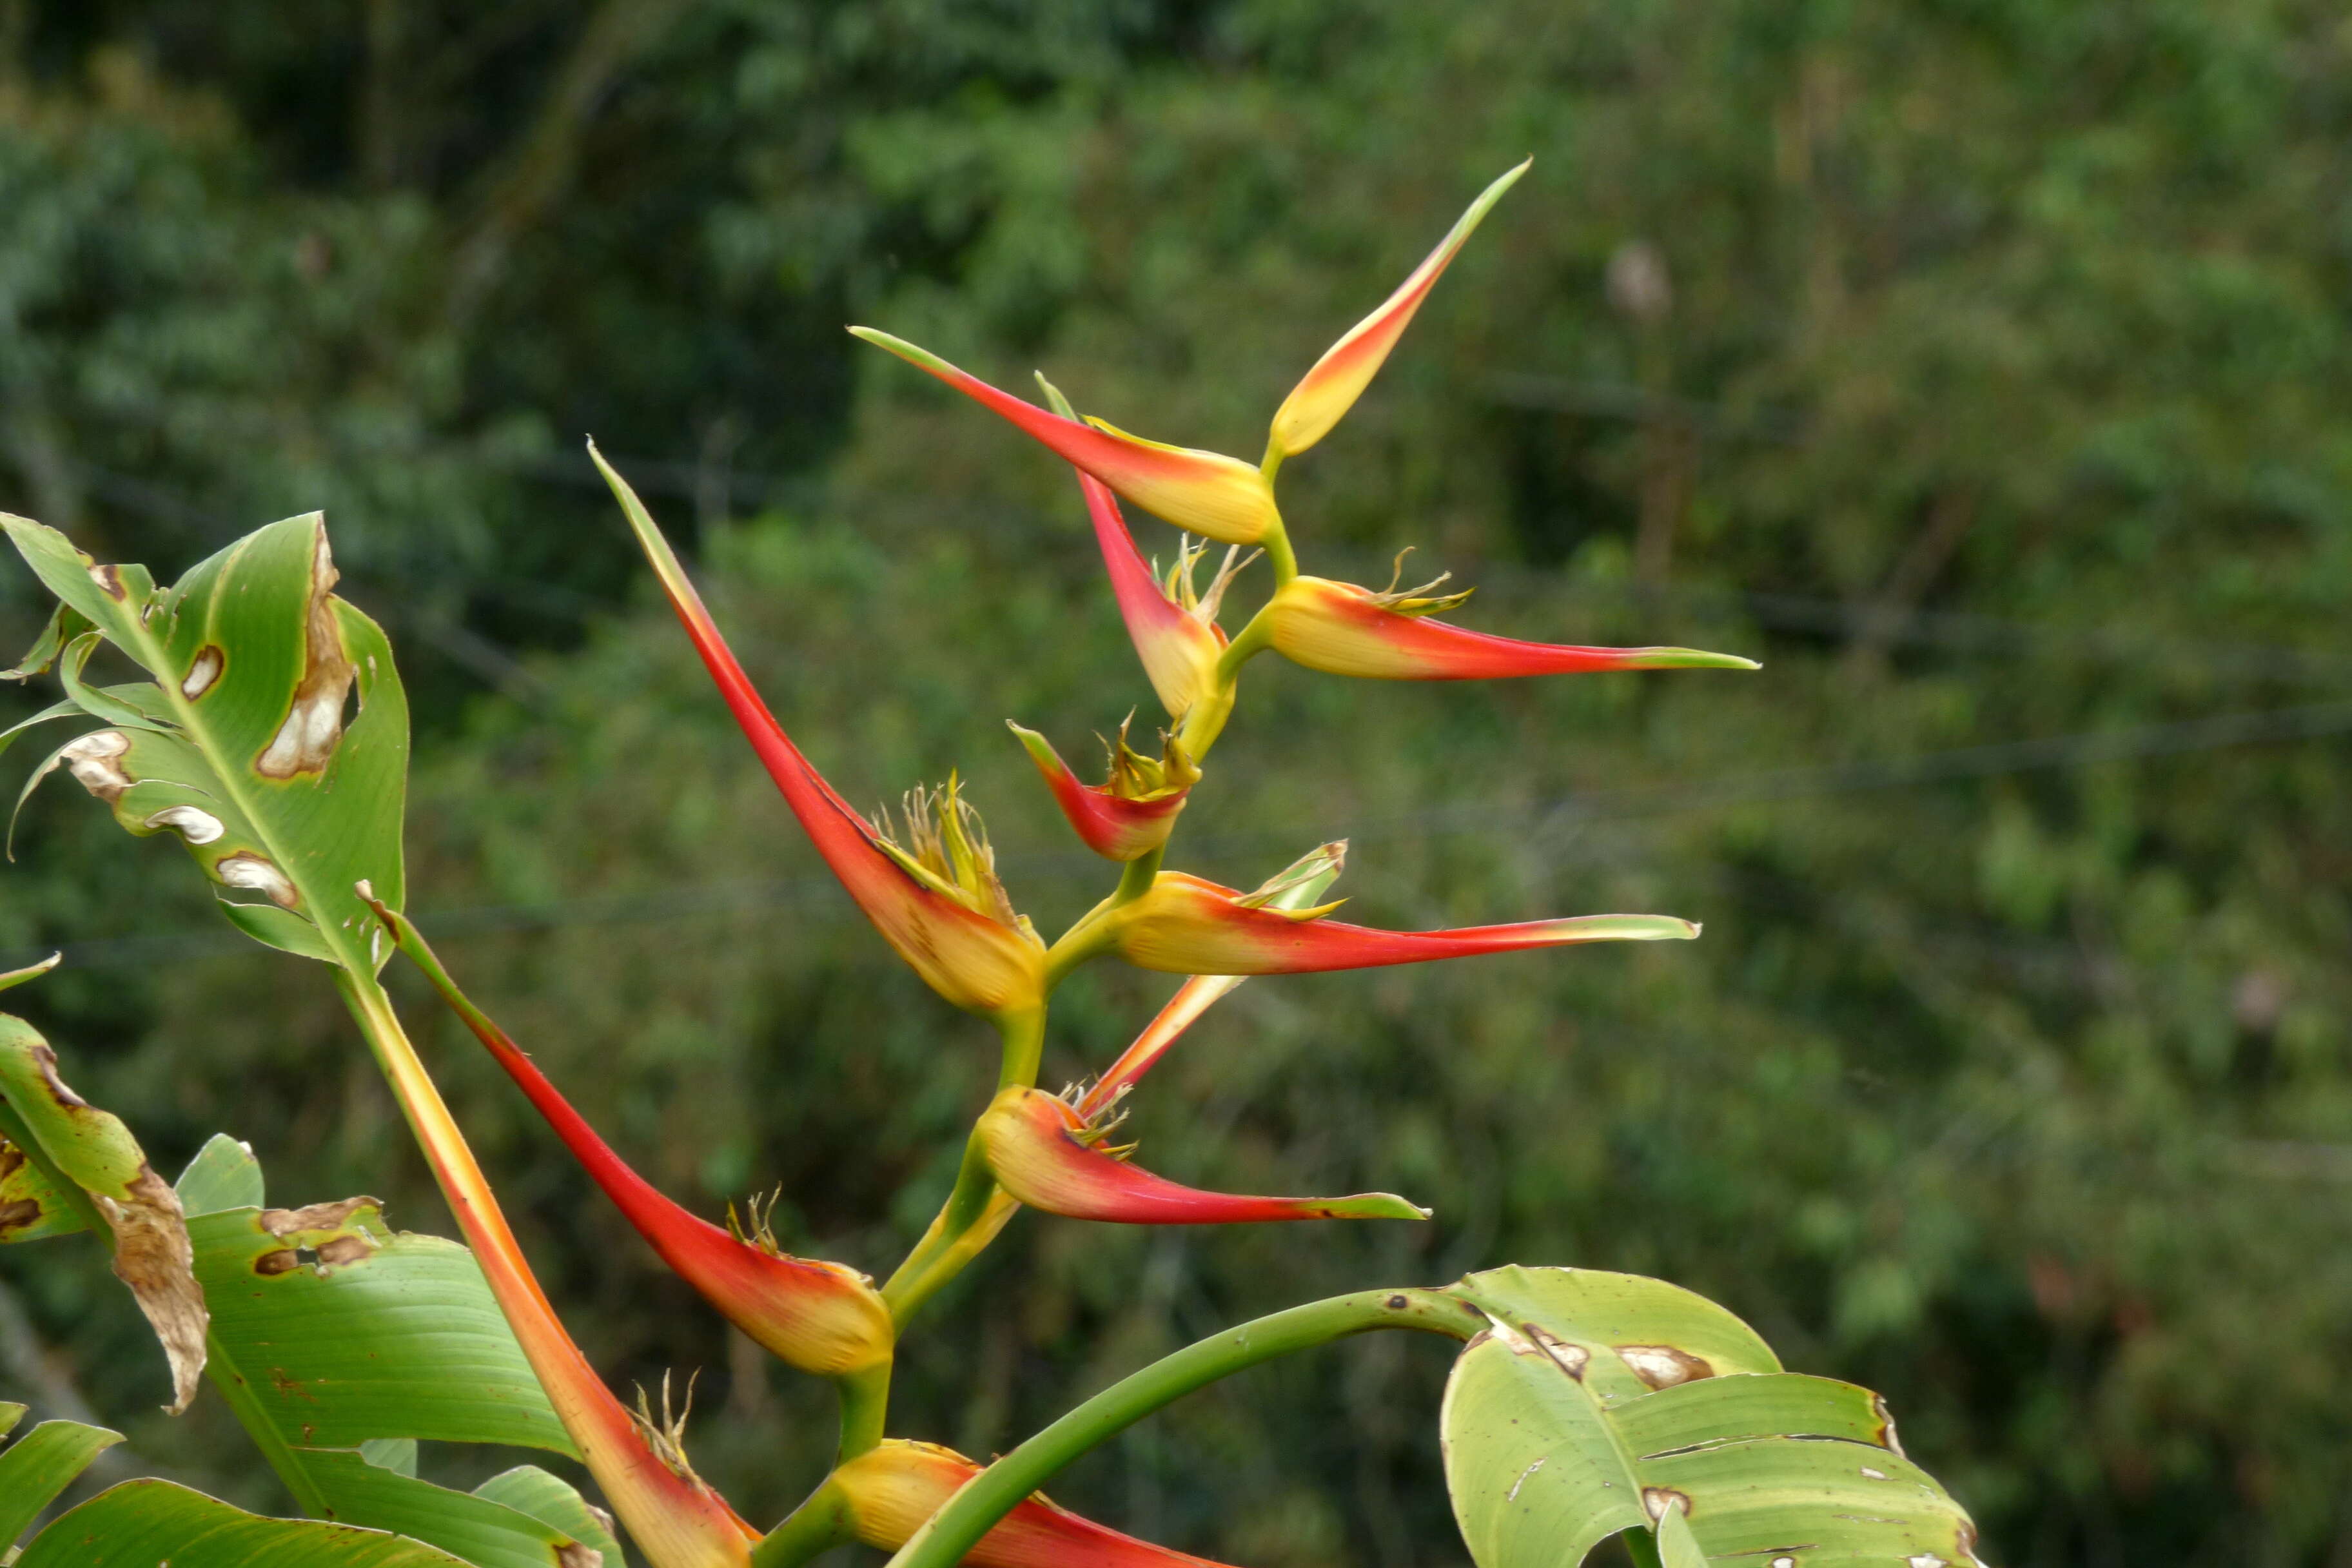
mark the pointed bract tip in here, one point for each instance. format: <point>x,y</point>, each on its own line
<point>1691,659</point>
<point>31,971</point>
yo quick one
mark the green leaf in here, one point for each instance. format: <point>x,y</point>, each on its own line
<point>544,1497</point>
<point>341,1331</point>
<point>482,1530</point>
<point>340,1342</point>
<point>391,1454</point>
<point>65,623</point>
<point>240,746</point>
<point>1601,1402</point>
<point>223,1175</point>
<point>89,1159</point>
<point>40,1465</point>
<point>143,1524</point>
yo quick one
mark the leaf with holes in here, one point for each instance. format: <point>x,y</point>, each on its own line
<point>1596,1404</point>
<point>241,744</point>
<point>140,1524</point>
<point>41,1464</point>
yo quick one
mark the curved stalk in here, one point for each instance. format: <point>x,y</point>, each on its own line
<point>1254,637</point>
<point>976,1208</point>
<point>1135,880</point>
<point>818,1525</point>
<point>995,1492</point>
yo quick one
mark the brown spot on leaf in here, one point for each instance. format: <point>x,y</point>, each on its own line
<point>192,823</point>
<point>1663,1366</point>
<point>314,1217</point>
<point>314,720</point>
<point>1571,1359</point>
<point>247,869</point>
<point>1655,1500</point>
<point>346,1250</point>
<point>206,669</point>
<point>153,1255</point>
<point>110,582</point>
<point>17,1214</point>
<point>572,1554</point>
<point>289,1387</point>
<point>270,1265</point>
<point>96,763</point>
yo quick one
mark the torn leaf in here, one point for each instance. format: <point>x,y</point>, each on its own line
<point>72,1142</point>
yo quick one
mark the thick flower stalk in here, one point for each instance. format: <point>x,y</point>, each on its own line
<point>1185,924</point>
<point>822,1318</point>
<point>935,899</point>
<point>1131,813</point>
<point>887,1495</point>
<point>1050,1155</point>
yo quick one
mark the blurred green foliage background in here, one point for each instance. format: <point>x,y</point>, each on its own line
<point>1980,365</point>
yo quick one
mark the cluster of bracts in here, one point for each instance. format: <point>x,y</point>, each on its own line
<point>928,884</point>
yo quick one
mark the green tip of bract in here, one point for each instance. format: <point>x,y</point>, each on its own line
<point>1637,928</point>
<point>1692,658</point>
<point>31,971</point>
<point>1375,1205</point>
<point>904,350</point>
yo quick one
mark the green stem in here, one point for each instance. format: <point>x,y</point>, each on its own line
<point>864,1410</point>
<point>1024,1036</point>
<point>1254,639</point>
<point>820,1524</point>
<point>956,1529</point>
<point>959,1233</point>
<point>1275,543</point>
<point>1136,880</point>
<point>975,1211</point>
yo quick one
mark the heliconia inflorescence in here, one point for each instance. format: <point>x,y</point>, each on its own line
<point>926,877</point>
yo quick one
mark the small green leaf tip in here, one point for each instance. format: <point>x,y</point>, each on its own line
<point>1692,658</point>
<point>31,972</point>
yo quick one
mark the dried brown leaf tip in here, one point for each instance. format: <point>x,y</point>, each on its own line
<point>94,1152</point>
<point>153,1255</point>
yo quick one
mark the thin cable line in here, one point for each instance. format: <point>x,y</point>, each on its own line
<point>702,900</point>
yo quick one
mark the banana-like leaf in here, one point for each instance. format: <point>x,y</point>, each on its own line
<point>41,1464</point>
<point>142,1524</point>
<point>1598,1402</point>
<point>340,1342</point>
<point>346,1330</point>
<point>240,744</point>
<point>553,1501</point>
<point>223,1175</point>
<point>482,1530</point>
<point>84,1161</point>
